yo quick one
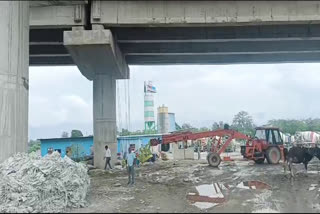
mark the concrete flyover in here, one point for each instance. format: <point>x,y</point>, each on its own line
<point>103,37</point>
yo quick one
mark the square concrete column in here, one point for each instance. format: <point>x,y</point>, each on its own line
<point>98,57</point>
<point>104,118</point>
<point>14,77</point>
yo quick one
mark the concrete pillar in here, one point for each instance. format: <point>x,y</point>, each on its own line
<point>14,77</point>
<point>104,118</point>
<point>98,57</point>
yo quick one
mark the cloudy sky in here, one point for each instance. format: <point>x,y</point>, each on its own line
<point>60,98</point>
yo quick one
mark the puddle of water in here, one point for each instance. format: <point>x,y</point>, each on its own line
<point>204,205</point>
<point>314,172</point>
<point>312,188</point>
<point>207,195</point>
<point>254,185</point>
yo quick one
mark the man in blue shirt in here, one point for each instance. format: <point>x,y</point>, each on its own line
<point>131,162</point>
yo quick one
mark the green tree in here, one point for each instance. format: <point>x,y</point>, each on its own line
<point>76,133</point>
<point>215,126</point>
<point>188,127</point>
<point>243,122</point>
<point>33,146</point>
<point>64,134</point>
<point>138,132</point>
<point>77,152</point>
<point>221,124</point>
<point>124,132</point>
<point>204,129</point>
<point>292,126</point>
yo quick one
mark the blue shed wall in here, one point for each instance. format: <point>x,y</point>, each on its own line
<point>138,141</point>
<point>84,143</point>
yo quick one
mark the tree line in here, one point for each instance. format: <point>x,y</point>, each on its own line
<point>243,122</point>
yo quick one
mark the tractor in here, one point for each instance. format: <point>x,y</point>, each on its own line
<point>266,144</point>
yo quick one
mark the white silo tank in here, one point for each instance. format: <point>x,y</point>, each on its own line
<point>163,120</point>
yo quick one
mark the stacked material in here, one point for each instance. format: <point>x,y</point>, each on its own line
<point>145,154</point>
<point>30,183</point>
<point>307,137</point>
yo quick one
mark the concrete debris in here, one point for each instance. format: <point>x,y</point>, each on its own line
<point>204,205</point>
<point>30,183</point>
<point>117,185</point>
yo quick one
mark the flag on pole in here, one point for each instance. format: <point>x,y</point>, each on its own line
<point>149,88</point>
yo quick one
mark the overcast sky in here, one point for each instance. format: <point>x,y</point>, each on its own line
<point>60,98</point>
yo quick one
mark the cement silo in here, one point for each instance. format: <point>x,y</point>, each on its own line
<point>163,120</point>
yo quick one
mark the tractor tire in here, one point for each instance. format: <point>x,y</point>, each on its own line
<point>213,159</point>
<point>259,161</point>
<point>273,155</point>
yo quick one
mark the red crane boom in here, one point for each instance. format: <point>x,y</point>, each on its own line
<point>216,149</point>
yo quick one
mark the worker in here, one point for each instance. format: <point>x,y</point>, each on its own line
<point>137,158</point>
<point>107,157</point>
<point>199,150</point>
<point>131,157</point>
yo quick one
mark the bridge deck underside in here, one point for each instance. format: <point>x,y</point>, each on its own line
<point>194,45</point>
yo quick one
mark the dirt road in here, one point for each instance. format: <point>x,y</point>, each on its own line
<point>193,186</point>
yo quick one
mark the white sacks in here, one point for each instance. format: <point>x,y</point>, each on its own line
<point>30,183</point>
<point>307,137</point>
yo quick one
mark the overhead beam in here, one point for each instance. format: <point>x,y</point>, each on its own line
<point>223,53</point>
<point>50,61</point>
<point>224,59</point>
<point>206,13</point>
<point>226,32</point>
<point>220,40</point>
<point>56,3</point>
<point>220,47</point>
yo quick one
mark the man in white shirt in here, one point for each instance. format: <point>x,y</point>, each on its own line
<point>107,156</point>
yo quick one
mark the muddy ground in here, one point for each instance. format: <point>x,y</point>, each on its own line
<point>173,186</point>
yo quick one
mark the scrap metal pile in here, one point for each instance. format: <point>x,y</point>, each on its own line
<point>30,183</point>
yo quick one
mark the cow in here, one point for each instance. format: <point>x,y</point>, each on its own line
<point>300,155</point>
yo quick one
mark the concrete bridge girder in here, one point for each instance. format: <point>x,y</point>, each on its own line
<point>205,13</point>
<point>57,16</point>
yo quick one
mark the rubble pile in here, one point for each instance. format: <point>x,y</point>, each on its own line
<point>30,183</point>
